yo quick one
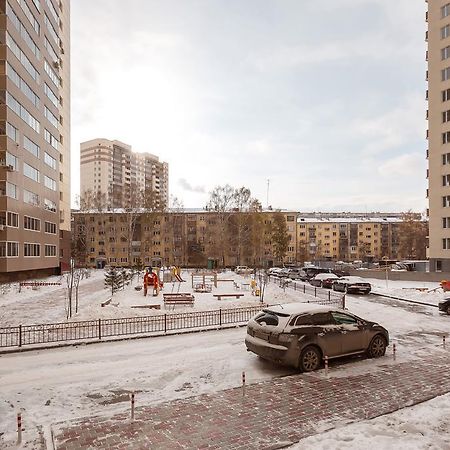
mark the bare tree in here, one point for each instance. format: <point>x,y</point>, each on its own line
<point>412,236</point>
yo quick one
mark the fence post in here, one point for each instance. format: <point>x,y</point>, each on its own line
<point>132,405</point>
<point>20,335</point>
<point>394,351</point>
<point>304,288</point>
<point>243,384</point>
<point>165,323</point>
<point>326,366</point>
<point>443,341</point>
<point>343,302</point>
<point>99,328</point>
<point>19,428</point>
<point>220,317</point>
<point>329,296</point>
<point>315,292</point>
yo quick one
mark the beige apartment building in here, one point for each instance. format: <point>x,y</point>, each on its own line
<point>113,169</point>
<point>438,133</point>
<point>34,136</point>
<point>347,238</point>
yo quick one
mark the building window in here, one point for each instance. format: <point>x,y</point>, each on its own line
<point>446,201</point>
<point>30,223</point>
<point>31,198</point>
<point>11,190</point>
<point>30,146</point>
<point>31,250</point>
<point>446,116</point>
<point>22,112</point>
<point>30,16</point>
<point>50,95</point>
<point>31,172</point>
<point>50,250</point>
<point>9,249</point>
<point>445,10</point>
<point>50,117</point>
<point>50,183</point>
<point>49,205</point>
<point>50,227</point>
<point>446,222</point>
<point>445,31</point>
<point>49,160</point>
<point>20,55</point>
<point>22,85</point>
<point>51,73</point>
<point>12,161</point>
<point>446,137</point>
<point>52,140</point>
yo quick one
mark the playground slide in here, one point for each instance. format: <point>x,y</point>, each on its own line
<point>178,278</point>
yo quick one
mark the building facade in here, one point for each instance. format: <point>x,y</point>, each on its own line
<point>438,133</point>
<point>205,238</point>
<point>35,137</point>
<point>113,169</point>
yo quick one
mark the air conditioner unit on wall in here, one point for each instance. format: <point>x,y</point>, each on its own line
<point>10,168</point>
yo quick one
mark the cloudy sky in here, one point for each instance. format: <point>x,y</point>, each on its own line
<point>326,100</point>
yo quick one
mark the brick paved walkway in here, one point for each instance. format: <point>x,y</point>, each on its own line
<point>273,414</point>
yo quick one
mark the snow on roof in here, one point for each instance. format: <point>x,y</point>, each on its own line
<point>350,220</point>
<point>298,308</point>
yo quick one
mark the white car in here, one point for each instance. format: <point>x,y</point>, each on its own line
<point>243,269</point>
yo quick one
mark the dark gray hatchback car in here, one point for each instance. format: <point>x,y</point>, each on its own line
<point>301,335</point>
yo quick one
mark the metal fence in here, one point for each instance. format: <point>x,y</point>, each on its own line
<point>321,296</point>
<point>21,335</point>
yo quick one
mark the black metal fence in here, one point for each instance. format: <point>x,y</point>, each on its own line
<point>321,296</point>
<point>21,335</point>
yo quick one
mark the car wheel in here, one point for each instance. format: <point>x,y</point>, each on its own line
<point>377,347</point>
<point>310,359</point>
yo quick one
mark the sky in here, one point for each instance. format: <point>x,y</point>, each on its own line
<point>324,100</point>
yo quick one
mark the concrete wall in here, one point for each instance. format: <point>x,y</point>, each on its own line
<point>403,276</point>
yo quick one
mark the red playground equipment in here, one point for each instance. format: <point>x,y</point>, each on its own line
<point>151,279</point>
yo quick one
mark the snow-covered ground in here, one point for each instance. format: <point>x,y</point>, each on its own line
<point>59,384</point>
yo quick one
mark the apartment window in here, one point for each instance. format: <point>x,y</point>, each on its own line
<point>50,95</point>
<point>445,180</point>
<point>22,85</point>
<point>446,222</point>
<point>49,183</point>
<point>445,74</point>
<point>12,219</point>
<point>31,198</point>
<point>49,160</point>
<point>22,112</point>
<point>31,250</point>
<point>53,141</point>
<point>51,29</point>
<point>445,10</point>
<point>446,116</point>
<point>445,159</point>
<point>446,201</point>
<point>29,15</point>
<point>12,161</point>
<point>446,137</point>
<point>11,190</point>
<point>52,74</point>
<point>445,95</point>
<point>31,172</point>
<point>50,250</point>
<point>50,117</point>
<point>20,55</point>
<point>31,147</point>
<point>12,132</point>
<point>31,223</point>
<point>50,227</point>
<point>445,31</point>
<point>9,249</point>
<point>49,205</point>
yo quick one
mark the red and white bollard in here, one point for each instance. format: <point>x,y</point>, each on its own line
<point>132,405</point>
<point>243,384</point>
<point>326,366</point>
<point>19,428</point>
<point>394,351</point>
<point>443,341</point>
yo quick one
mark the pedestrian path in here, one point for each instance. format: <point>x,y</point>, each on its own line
<point>271,415</point>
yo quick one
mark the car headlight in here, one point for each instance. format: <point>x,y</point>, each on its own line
<point>285,338</point>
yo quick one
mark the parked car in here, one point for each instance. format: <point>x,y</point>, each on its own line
<point>243,269</point>
<point>273,271</point>
<point>352,285</point>
<point>301,335</point>
<point>296,273</point>
<point>312,271</point>
<point>444,305</point>
<point>324,280</point>
<point>283,273</point>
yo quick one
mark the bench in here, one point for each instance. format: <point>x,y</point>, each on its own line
<point>203,287</point>
<point>178,299</point>
<point>147,306</point>
<point>219,296</point>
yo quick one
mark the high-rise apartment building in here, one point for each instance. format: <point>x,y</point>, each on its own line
<point>113,169</point>
<point>34,136</point>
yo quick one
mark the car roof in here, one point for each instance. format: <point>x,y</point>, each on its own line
<point>298,308</point>
<point>355,279</point>
<point>325,275</point>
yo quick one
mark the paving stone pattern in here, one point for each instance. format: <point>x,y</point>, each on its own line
<point>272,414</point>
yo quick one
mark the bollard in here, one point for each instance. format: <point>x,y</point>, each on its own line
<point>326,366</point>
<point>443,341</point>
<point>19,428</point>
<point>243,384</point>
<point>132,405</point>
<point>394,351</point>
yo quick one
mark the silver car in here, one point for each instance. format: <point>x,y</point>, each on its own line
<point>301,335</point>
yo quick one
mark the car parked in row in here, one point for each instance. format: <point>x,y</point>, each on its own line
<point>324,280</point>
<point>351,285</point>
<point>301,335</point>
<point>444,306</point>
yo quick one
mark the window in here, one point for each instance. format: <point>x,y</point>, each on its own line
<point>22,112</point>
<point>445,53</point>
<point>23,31</point>
<point>267,318</point>
<point>31,223</point>
<point>9,249</point>
<point>50,250</point>
<point>50,183</point>
<point>446,243</point>
<point>445,159</point>
<point>445,74</point>
<point>445,31</point>
<point>446,137</point>
<point>49,205</point>
<point>51,73</point>
<point>11,190</point>
<point>322,319</point>
<point>31,250</point>
<point>445,180</point>
<point>31,198</point>
<point>445,10</point>
<point>30,146</point>
<point>50,50</point>
<point>31,172</point>
<point>22,85</point>
<point>49,160</point>
<point>51,29</point>
<point>20,55</point>
<point>446,222</point>
<point>50,227</point>
<point>30,16</point>
<point>53,141</point>
<point>52,97</point>
<point>446,116</point>
<point>50,117</point>
<point>12,132</point>
<point>12,219</point>
<point>12,161</point>
<point>446,201</point>
<point>445,95</point>
<point>342,318</point>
